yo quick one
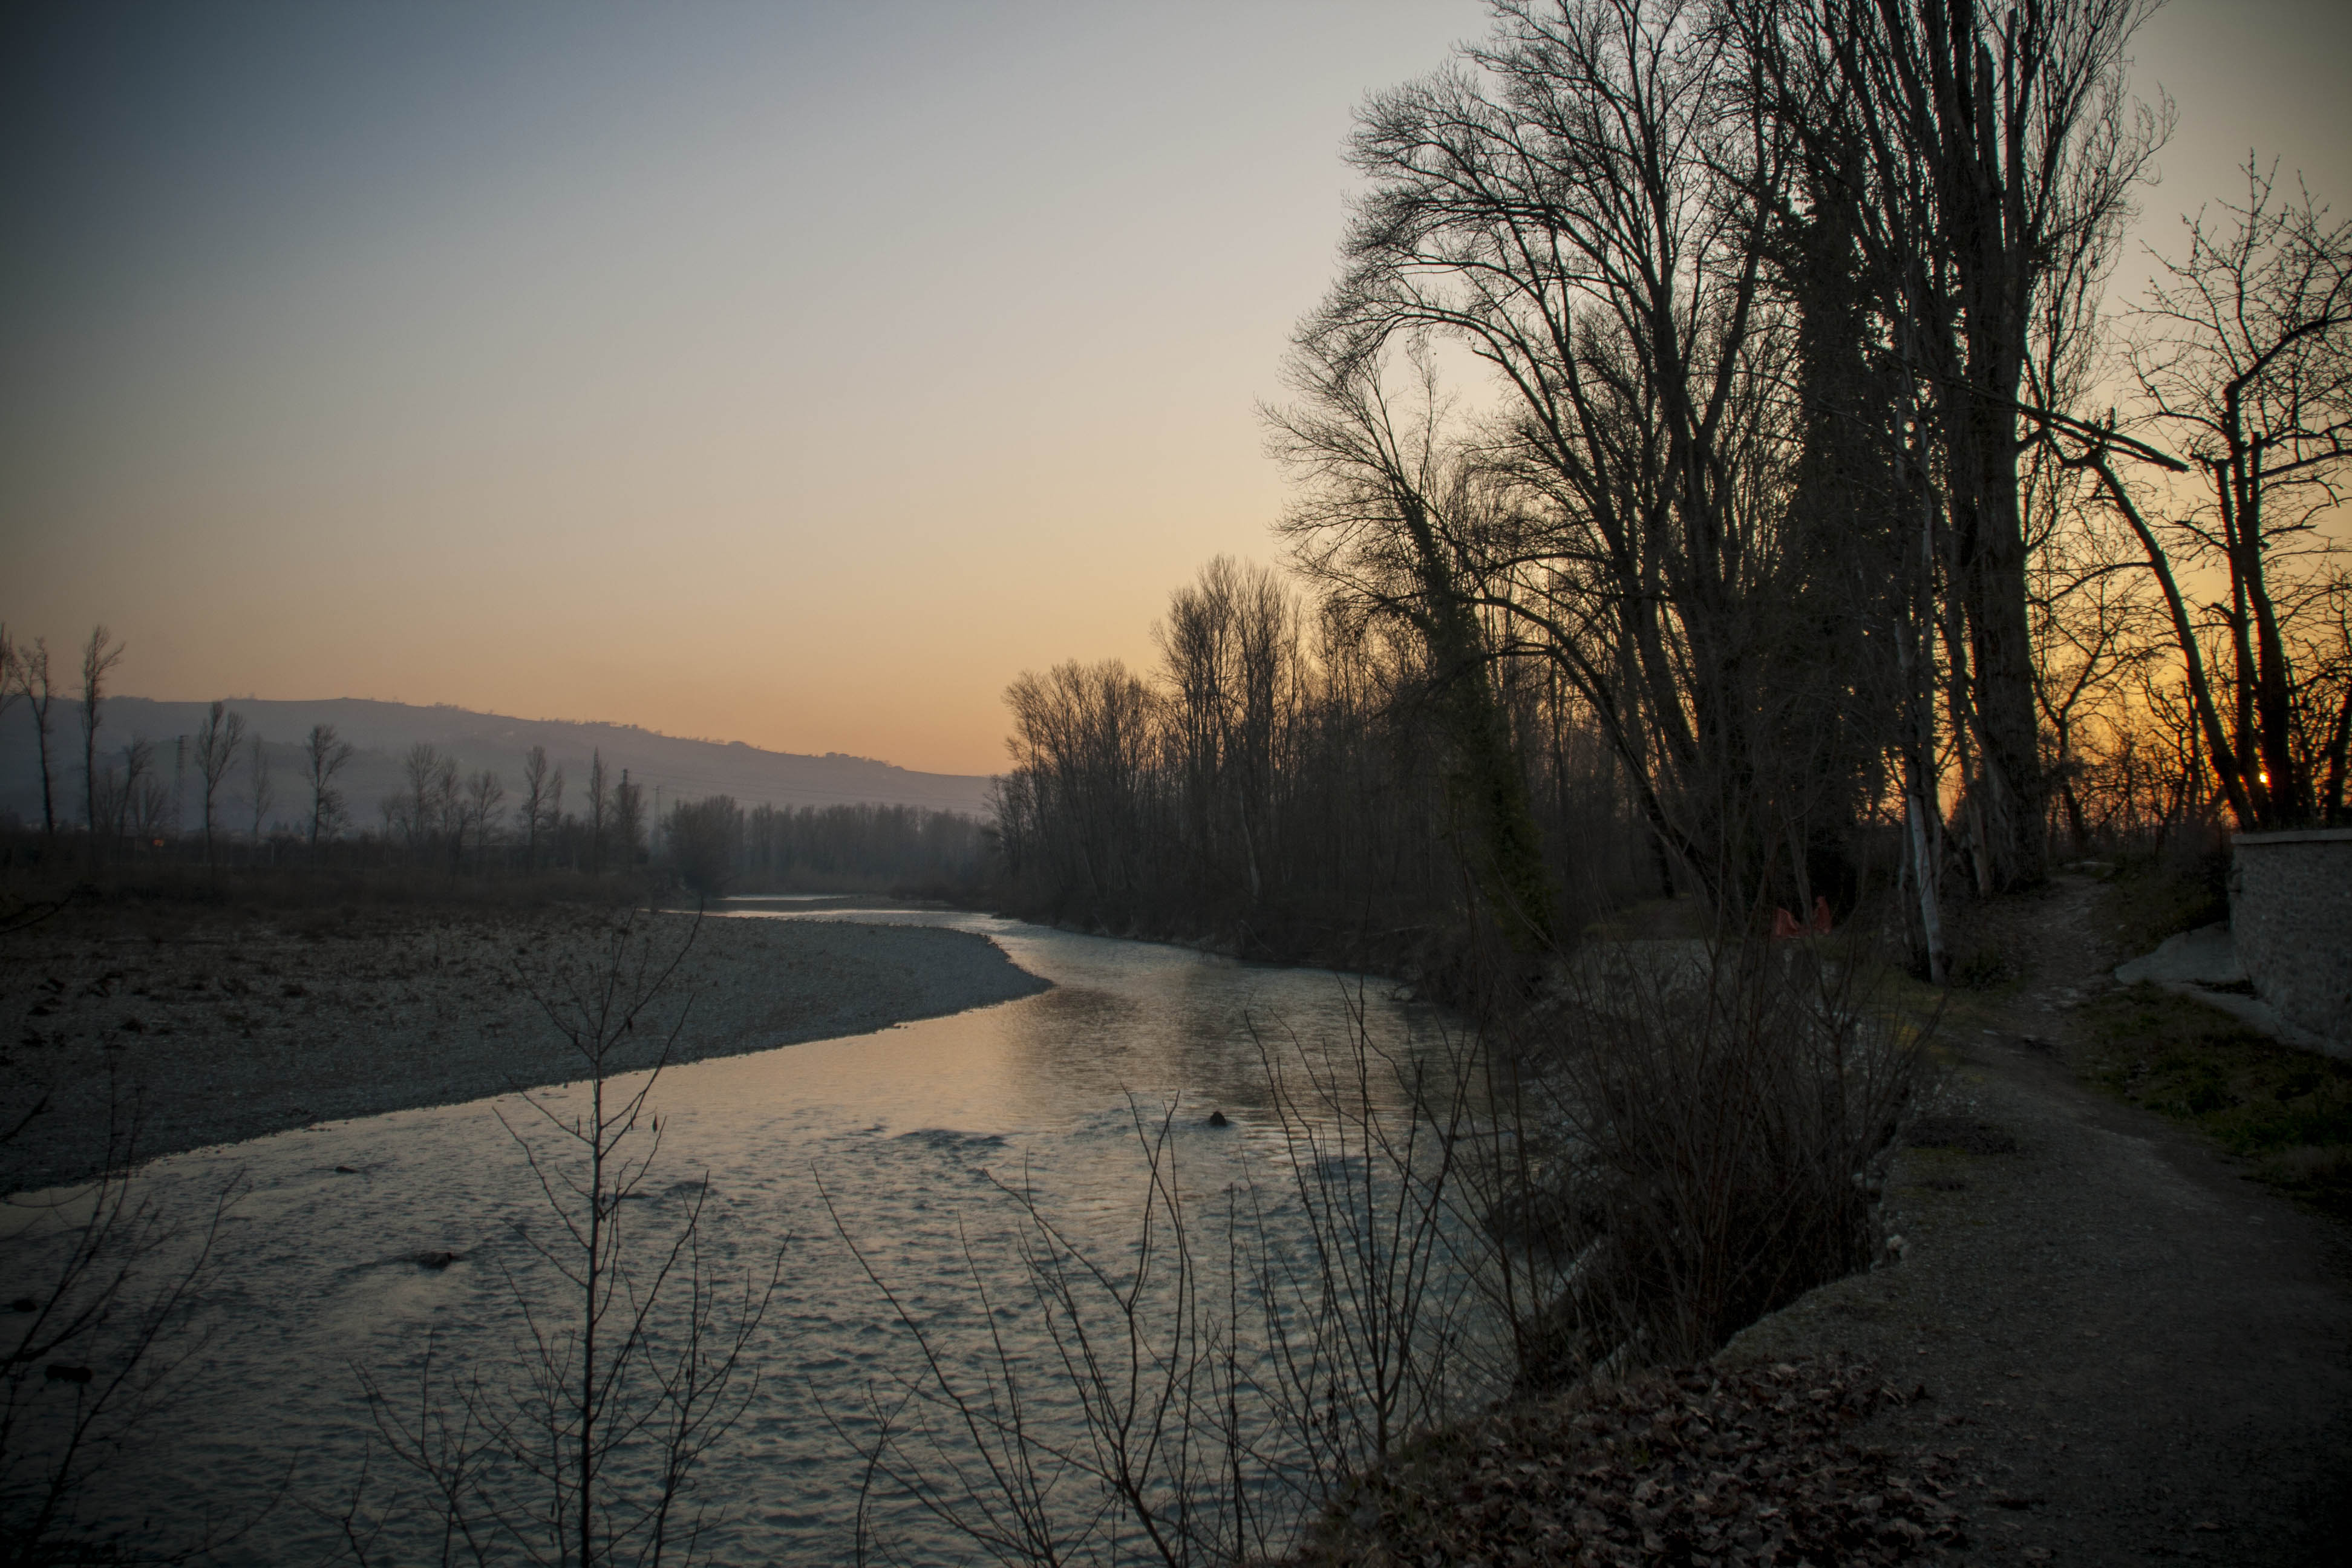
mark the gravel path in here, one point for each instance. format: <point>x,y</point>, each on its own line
<point>2138,1354</point>
<point>219,1028</point>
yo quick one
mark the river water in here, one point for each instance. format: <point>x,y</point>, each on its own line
<point>321,1287</point>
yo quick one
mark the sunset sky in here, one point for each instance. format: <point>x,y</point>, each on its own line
<point>795,374</point>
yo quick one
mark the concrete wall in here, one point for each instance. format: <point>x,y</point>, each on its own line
<point>2291,914</point>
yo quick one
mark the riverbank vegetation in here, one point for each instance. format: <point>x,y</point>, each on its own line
<point>1678,1142</point>
<point>1727,492</point>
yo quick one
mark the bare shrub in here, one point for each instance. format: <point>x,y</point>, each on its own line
<point>1189,1395</point>
<point>1719,1120</point>
<point>636,1356</point>
<point>1137,1367</point>
<point>103,1327</point>
<point>1682,1138</point>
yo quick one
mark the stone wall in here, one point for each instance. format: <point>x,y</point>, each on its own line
<point>2291,914</point>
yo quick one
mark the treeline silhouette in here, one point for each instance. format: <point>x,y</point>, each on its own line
<point>1279,784</point>
<point>1818,524</point>
<point>717,846</point>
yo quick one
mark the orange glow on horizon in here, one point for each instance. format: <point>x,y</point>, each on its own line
<point>796,375</point>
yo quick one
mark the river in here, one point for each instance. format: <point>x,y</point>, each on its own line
<point>321,1287</point>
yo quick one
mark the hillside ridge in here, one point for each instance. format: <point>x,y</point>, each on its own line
<point>671,767</point>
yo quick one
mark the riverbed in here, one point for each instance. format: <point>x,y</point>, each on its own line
<point>163,1030</point>
<point>367,1250</point>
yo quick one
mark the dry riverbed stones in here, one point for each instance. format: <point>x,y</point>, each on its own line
<point>210,1027</point>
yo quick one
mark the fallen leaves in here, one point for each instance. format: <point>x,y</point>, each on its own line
<point>1700,1466</point>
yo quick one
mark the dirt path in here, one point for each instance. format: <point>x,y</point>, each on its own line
<point>2142,1355</point>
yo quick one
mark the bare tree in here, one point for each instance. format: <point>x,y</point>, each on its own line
<point>430,805</point>
<point>542,801</point>
<point>33,680</point>
<point>600,804</point>
<point>585,1453</point>
<point>2095,623</point>
<point>99,658</point>
<point>419,768</point>
<point>324,755</point>
<point>149,795</point>
<point>1082,738</point>
<point>1987,149</point>
<point>25,673</point>
<point>11,672</point>
<point>552,817</point>
<point>1231,645</point>
<point>1586,205</point>
<point>218,739</point>
<point>484,791</point>
<point>135,792</point>
<point>260,787</point>
<point>704,842</point>
<point>2243,360</point>
<point>629,819</point>
<point>113,805</point>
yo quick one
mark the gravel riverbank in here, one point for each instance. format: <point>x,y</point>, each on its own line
<point>219,1027</point>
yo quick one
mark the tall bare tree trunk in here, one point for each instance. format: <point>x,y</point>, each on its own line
<point>99,658</point>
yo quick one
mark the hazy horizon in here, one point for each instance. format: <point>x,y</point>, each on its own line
<point>670,767</point>
<point>237,699</point>
<point>793,374</point>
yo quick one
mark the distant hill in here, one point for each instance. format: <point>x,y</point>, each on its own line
<point>384,732</point>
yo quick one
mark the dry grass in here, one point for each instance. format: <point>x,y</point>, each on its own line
<point>2153,896</point>
<point>2286,1111</point>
